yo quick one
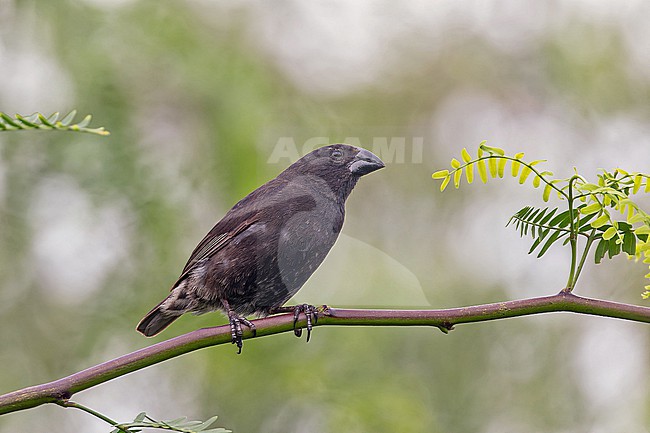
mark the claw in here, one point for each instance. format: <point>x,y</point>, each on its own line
<point>236,332</point>
<point>311,314</point>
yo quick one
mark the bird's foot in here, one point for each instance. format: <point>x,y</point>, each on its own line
<point>311,314</point>
<point>236,331</point>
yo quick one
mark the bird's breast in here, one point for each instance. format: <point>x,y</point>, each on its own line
<point>305,239</point>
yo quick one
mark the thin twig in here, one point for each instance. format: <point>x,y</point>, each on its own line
<point>75,405</point>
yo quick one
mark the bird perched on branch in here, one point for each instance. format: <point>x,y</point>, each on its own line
<point>267,246</point>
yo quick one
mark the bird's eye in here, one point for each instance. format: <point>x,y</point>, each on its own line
<point>336,155</point>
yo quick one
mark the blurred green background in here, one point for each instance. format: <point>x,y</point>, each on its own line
<point>206,100</point>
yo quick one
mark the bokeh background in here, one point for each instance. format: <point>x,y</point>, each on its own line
<point>206,100</point>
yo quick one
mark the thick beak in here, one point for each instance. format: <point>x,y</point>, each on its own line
<point>365,162</point>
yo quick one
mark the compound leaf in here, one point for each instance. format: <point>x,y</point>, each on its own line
<point>551,239</point>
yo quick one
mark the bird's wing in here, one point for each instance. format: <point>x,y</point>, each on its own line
<point>255,207</point>
<point>211,244</point>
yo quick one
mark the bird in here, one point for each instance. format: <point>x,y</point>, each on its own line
<point>268,244</point>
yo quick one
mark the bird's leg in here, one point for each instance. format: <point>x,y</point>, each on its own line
<point>311,314</point>
<point>236,321</point>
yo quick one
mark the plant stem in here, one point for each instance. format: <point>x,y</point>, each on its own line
<point>590,240</point>
<point>68,403</point>
<point>572,239</point>
<point>59,391</point>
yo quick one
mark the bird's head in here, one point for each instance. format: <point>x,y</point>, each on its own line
<point>339,158</point>
<point>339,165</point>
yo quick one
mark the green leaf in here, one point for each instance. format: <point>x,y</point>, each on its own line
<point>444,183</point>
<point>544,220</point>
<point>469,173</point>
<point>587,187</point>
<point>53,118</point>
<point>636,218</point>
<point>68,118</point>
<point>539,239</point>
<point>547,192</point>
<point>175,422</point>
<point>601,249</point>
<point>539,216</point>
<point>493,150</point>
<point>465,155</point>
<point>529,219</point>
<point>455,163</point>
<point>516,216</point>
<point>600,221</point>
<point>492,165</point>
<point>590,209</point>
<point>609,191</point>
<point>554,237</point>
<point>85,122</point>
<point>560,219</point>
<point>623,226</point>
<point>643,230</point>
<point>501,166</point>
<point>515,168</point>
<point>527,211</point>
<point>46,121</point>
<point>440,174</point>
<point>609,233</point>
<point>585,224</point>
<point>614,249</point>
<point>457,175</point>
<point>26,121</point>
<point>31,118</point>
<point>205,424</point>
<point>482,171</point>
<point>607,200</point>
<point>9,120</point>
<point>524,174</point>
<point>637,183</point>
<point>629,243</point>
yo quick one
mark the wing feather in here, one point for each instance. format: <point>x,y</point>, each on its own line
<point>210,245</point>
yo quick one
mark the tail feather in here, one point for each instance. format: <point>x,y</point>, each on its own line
<point>155,321</point>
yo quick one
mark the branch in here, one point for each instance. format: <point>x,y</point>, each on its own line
<point>39,121</point>
<point>59,391</point>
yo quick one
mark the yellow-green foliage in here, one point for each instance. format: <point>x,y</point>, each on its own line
<point>52,122</point>
<point>592,208</point>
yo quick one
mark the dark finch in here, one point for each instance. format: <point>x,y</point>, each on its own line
<point>265,248</point>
